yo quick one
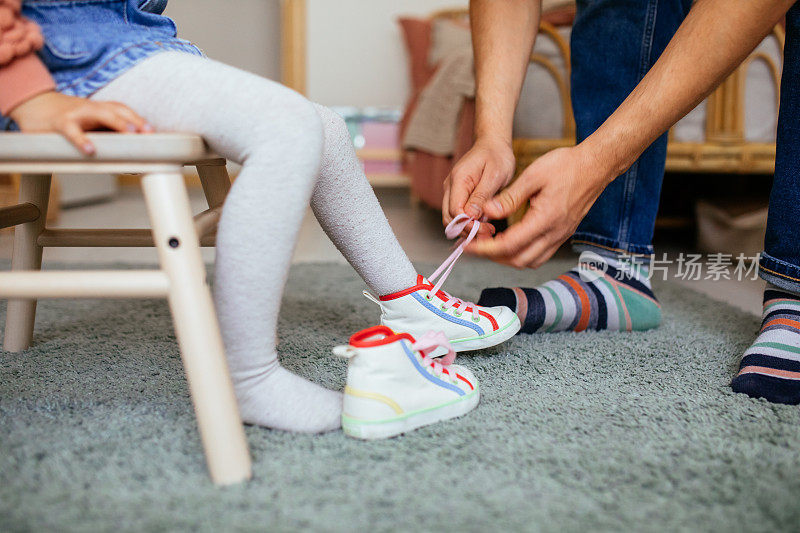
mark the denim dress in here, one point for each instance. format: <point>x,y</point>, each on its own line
<point>88,43</point>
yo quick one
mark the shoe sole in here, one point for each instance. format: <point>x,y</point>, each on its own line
<point>384,429</point>
<point>489,339</point>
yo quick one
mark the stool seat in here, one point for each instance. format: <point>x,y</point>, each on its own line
<point>151,147</point>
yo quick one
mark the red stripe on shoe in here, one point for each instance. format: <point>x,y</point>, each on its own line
<point>421,285</point>
<point>418,287</point>
<point>465,380</point>
<point>495,327</point>
<point>459,376</point>
<point>377,336</point>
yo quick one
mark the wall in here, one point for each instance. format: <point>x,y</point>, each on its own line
<point>356,55</point>
<point>242,33</point>
<point>355,51</point>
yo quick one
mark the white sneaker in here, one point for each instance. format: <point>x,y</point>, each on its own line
<point>468,326</point>
<point>424,307</point>
<point>395,386</point>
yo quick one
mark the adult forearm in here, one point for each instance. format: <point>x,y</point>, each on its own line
<point>715,37</point>
<point>503,33</point>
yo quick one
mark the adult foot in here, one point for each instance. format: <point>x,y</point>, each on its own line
<point>601,294</point>
<point>770,367</point>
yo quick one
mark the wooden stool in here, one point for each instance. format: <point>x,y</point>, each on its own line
<point>181,278</point>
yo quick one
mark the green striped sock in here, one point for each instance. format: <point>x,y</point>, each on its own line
<point>605,294</point>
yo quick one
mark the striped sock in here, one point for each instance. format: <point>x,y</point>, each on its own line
<point>614,297</point>
<point>770,368</point>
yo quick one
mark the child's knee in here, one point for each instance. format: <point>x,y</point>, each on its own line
<point>304,128</point>
<point>284,125</point>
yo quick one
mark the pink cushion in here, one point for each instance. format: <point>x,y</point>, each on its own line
<point>417,36</point>
<point>560,16</point>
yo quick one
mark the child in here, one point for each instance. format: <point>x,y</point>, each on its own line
<point>292,152</point>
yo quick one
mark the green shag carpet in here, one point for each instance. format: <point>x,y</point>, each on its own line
<point>575,432</point>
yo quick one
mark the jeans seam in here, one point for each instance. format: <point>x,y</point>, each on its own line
<point>766,258</point>
<point>647,38</point>
<point>632,174</point>
<point>623,235</point>
<point>599,241</point>
<point>774,273</point>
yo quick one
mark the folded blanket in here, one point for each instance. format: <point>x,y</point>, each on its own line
<point>433,124</point>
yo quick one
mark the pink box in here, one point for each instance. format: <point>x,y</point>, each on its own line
<point>381,166</point>
<point>380,134</point>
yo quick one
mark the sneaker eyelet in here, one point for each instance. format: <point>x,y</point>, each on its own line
<point>429,297</point>
<point>442,307</point>
<point>476,320</point>
<point>457,314</point>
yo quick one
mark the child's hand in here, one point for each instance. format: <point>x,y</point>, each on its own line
<point>72,116</point>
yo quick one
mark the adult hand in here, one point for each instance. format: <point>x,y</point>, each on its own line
<point>72,117</point>
<point>476,178</point>
<point>561,186</point>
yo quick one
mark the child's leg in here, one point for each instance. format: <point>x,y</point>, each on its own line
<point>276,135</point>
<point>348,211</point>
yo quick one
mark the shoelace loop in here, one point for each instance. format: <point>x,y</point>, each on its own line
<point>429,342</point>
<point>453,230</point>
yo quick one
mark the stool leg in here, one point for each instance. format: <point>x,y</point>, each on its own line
<point>197,328</point>
<point>27,255</point>
<point>215,181</point>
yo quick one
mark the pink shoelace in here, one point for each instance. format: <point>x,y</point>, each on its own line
<point>429,343</point>
<point>453,230</point>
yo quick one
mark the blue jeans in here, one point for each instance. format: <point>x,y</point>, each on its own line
<point>780,262</point>
<point>614,44</point>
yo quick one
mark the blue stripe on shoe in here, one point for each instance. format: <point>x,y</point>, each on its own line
<point>439,312</point>
<point>778,363</point>
<point>426,374</point>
